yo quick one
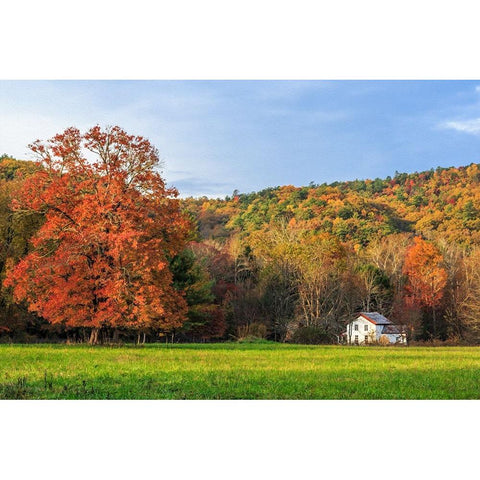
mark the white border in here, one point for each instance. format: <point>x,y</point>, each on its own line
<point>220,39</point>
<point>238,439</point>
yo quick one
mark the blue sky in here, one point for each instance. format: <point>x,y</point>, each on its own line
<point>217,136</point>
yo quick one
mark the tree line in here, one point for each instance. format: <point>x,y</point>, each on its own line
<point>96,248</point>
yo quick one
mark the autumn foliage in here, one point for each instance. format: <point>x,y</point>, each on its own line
<point>101,257</point>
<point>427,278</point>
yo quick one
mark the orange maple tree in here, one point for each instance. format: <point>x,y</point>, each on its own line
<point>426,277</point>
<point>101,259</point>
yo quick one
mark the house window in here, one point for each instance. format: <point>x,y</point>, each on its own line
<point>366,338</point>
<point>356,327</point>
<point>356,339</point>
<point>366,328</point>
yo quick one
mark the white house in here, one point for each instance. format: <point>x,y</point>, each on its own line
<point>370,327</point>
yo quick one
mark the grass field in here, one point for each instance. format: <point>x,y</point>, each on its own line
<point>238,371</point>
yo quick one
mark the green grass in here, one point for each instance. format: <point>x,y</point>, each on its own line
<point>238,371</point>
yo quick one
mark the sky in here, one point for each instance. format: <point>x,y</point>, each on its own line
<point>215,137</point>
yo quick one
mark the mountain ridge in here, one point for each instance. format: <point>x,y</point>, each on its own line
<point>443,200</point>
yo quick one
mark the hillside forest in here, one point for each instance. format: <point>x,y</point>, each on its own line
<point>105,251</point>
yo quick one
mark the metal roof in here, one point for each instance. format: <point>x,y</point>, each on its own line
<point>376,318</point>
<point>392,329</point>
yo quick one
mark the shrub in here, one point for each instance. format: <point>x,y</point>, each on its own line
<point>251,331</point>
<point>383,340</point>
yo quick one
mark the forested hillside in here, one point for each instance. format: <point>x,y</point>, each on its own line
<point>296,263</point>
<point>438,203</point>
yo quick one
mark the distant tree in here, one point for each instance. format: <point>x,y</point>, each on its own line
<point>101,259</point>
<point>373,286</point>
<point>205,319</point>
<point>388,253</point>
<point>314,276</point>
<point>462,313</point>
<point>426,276</point>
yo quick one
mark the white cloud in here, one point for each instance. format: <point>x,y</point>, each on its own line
<point>467,126</point>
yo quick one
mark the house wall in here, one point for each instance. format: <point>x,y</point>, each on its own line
<point>361,332</point>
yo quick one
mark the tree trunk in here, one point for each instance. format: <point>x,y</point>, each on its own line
<point>94,336</point>
<point>116,335</point>
<point>144,337</point>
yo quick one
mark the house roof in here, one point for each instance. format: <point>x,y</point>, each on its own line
<point>376,318</point>
<point>395,329</point>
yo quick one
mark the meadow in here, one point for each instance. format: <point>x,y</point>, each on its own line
<point>238,371</point>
